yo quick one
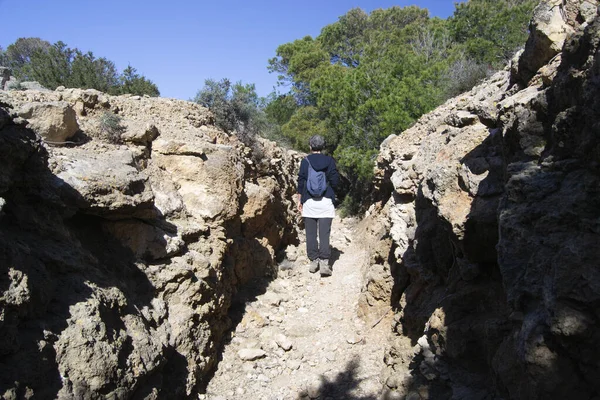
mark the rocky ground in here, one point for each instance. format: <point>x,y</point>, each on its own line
<point>301,338</point>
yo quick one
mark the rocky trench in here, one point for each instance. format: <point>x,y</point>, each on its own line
<point>485,239</point>
<point>120,258</point>
<point>120,262</point>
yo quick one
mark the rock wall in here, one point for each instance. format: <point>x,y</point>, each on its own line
<point>486,238</point>
<point>127,225</point>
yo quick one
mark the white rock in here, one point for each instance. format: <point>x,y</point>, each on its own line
<point>271,299</point>
<point>283,342</point>
<point>251,354</point>
<point>354,339</point>
<point>294,364</point>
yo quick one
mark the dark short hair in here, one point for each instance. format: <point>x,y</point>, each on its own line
<point>316,143</point>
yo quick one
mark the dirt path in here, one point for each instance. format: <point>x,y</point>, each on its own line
<point>302,338</point>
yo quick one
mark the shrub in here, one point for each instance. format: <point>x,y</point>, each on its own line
<point>14,85</point>
<point>110,127</point>
<point>463,75</point>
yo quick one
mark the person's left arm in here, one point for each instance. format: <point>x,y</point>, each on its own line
<point>333,177</point>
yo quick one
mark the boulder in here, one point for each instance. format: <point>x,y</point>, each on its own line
<point>103,182</point>
<point>32,85</point>
<point>139,133</point>
<point>549,29</point>
<point>53,121</point>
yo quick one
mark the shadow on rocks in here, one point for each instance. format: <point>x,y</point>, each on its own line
<point>340,388</point>
<point>335,256</point>
<point>58,264</point>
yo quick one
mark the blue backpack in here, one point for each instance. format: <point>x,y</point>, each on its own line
<point>316,184</point>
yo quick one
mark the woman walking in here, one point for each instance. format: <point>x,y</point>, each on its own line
<point>317,210</point>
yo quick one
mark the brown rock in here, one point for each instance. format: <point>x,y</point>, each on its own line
<point>53,121</point>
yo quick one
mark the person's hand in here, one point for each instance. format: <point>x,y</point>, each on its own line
<point>300,206</point>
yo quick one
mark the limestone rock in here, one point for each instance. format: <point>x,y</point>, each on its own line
<point>283,342</point>
<point>32,85</point>
<point>125,257</point>
<point>139,133</point>
<point>104,182</point>
<point>251,354</point>
<point>53,121</point>
<point>496,207</point>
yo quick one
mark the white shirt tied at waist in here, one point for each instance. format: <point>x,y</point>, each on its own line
<point>318,208</point>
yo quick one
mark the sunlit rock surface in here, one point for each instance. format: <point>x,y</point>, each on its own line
<point>121,250</point>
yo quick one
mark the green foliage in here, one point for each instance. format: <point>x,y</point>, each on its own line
<point>110,126</point>
<point>19,53</point>
<point>367,76</point>
<point>490,31</point>
<point>357,162</point>
<point>50,67</point>
<point>235,107</point>
<point>280,108</point>
<point>131,82</point>
<point>351,205</point>
<point>58,65</point>
<point>3,58</point>
<point>302,125</point>
<point>463,74</point>
<point>89,72</point>
<point>297,63</point>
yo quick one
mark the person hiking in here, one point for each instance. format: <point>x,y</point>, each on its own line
<point>317,179</point>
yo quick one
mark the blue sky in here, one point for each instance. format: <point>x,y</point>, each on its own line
<point>180,43</point>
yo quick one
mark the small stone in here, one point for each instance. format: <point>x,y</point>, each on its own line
<point>291,252</point>
<point>294,364</point>
<point>303,393</point>
<point>248,368</point>
<point>392,382</point>
<point>313,389</point>
<point>271,299</point>
<point>283,342</point>
<point>303,310</point>
<point>251,344</point>
<point>251,354</point>
<point>354,339</point>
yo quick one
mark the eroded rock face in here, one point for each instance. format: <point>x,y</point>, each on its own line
<point>487,246</point>
<point>119,260</point>
<point>54,121</point>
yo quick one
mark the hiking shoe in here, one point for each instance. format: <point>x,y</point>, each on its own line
<point>325,268</point>
<point>314,266</point>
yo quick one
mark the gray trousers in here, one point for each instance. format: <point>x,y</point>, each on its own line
<point>317,249</point>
